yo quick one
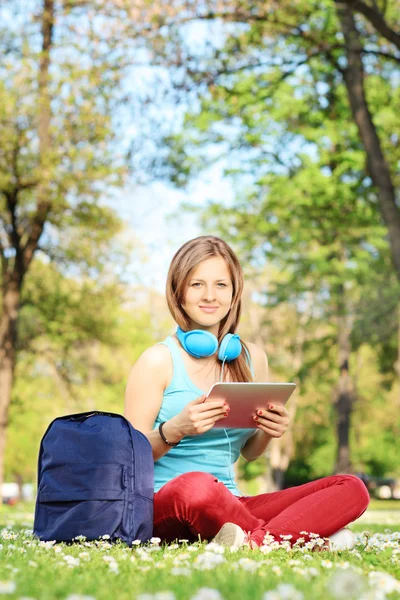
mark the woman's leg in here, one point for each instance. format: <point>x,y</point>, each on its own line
<point>197,503</point>
<point>323,506</point>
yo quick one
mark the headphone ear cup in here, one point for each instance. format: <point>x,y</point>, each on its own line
<point>198,343</point>
<point>201,343</point>
<point>230,347</point>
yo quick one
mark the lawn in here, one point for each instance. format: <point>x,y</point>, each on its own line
<point>98,570</point>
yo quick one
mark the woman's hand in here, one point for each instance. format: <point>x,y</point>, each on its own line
<point>199,416</point>
<point>273,421</point>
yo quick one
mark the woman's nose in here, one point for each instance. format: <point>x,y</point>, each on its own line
<point>209,293</point>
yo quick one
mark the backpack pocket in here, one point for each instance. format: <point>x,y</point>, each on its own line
<point>142,524</point>
<point>81,499</point>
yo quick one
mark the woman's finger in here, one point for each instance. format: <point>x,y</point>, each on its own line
<point>272,419</point>
<point>207,424</point>
<point>272,432</point>
<point>264,414</point>
<point>270,424</point>
<point>209,414</point>
<point>278,414</point>
<point>208,406</point>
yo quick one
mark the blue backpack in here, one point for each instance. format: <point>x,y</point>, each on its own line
<point>95,478</point>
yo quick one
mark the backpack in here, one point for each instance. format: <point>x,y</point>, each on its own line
<point>95,478</point>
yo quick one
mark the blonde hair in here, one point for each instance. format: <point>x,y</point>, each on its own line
<point>184,261</point>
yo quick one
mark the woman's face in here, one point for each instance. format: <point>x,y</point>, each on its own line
<point>208,294</point>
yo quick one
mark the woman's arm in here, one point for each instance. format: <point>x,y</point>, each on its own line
<point>273,420</point>
<point>143,397</point>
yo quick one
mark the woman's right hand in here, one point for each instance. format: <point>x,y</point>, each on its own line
<point>199,415</point>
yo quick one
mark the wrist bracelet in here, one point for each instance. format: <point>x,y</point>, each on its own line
<point>164,439</point>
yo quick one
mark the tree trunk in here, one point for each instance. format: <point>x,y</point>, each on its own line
<point>377,19</point>
<point>280,452</point>
<point>397,400</point>
<point>344,395</point>
<point>8,341</point>
<point>279,459</point>
<point>377,165</point>
<point>278,476</point>
<point>15,268</point>
<point>20,483</point>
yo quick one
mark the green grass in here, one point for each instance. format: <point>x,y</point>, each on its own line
<point>373,528</point>
<point>384,505</point>
<point>105,571</point>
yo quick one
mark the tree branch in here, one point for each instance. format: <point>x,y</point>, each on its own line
<point>377,164</point>
<point>375,17</point>
<point>392,57</point>
<point>3,259</point>
<point>38,222</point>
<point>43,202</point>
<point>13,230</point>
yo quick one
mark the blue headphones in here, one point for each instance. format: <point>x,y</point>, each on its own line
<point>201,343</point>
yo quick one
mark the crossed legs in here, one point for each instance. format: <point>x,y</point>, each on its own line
<point>197,503</point>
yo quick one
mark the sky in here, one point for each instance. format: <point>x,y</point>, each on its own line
<point>155,220</point>
<point>152,212</point>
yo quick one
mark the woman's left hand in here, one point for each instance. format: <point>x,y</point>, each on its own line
<point>273,421</point>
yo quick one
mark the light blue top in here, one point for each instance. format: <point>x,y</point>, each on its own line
<point>214,451</point>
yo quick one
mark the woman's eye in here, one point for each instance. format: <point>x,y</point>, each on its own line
<point>198,284</point>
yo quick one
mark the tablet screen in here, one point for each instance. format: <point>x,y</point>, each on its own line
<point>245,398</point>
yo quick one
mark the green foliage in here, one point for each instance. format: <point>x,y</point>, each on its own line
<point>251,470</point>
<point>81,163</point>
<point>275,118</point>
<point>58,239</point>
<point>77,346</point>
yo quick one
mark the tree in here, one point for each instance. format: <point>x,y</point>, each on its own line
<point>280,76</point>
<point>76,347</point>
<point>275,41</point>
<point>378,166</point>
<point>58,83</point>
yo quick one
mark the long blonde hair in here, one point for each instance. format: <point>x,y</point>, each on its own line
<point>184,261</point>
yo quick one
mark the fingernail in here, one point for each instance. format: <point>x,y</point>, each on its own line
<point>256,418</point>
<point>270,407</point>
<point>259,412</point>
<point>226,414</point>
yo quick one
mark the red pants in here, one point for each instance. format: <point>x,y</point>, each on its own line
<point>197,503</point>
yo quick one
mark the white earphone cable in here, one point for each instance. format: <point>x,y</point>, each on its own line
<point>229,441</point>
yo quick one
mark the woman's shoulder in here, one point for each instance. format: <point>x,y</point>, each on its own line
<point>156,356</point>
<point>154,362</point>
<point>259,361</point>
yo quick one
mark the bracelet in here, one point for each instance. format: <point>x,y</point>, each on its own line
<point>164,439</point>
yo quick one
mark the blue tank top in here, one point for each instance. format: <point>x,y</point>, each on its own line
<point>214,451</point>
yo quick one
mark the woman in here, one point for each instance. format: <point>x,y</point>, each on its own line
<point>195,492</point>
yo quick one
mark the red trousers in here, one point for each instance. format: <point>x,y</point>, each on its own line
<point>197,503</point>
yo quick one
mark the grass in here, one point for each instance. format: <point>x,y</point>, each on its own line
<point>37,570</point>
<point>392,505</point>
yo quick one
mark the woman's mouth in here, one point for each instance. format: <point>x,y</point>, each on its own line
<point>209,309</point>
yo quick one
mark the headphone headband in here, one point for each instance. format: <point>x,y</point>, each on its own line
<point>201,343</point>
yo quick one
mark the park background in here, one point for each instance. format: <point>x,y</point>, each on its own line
<point>128,128</point>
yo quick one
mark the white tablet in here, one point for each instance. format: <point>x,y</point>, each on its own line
<point>245,398</point>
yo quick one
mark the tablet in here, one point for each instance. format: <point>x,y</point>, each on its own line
<point>245,398</point>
